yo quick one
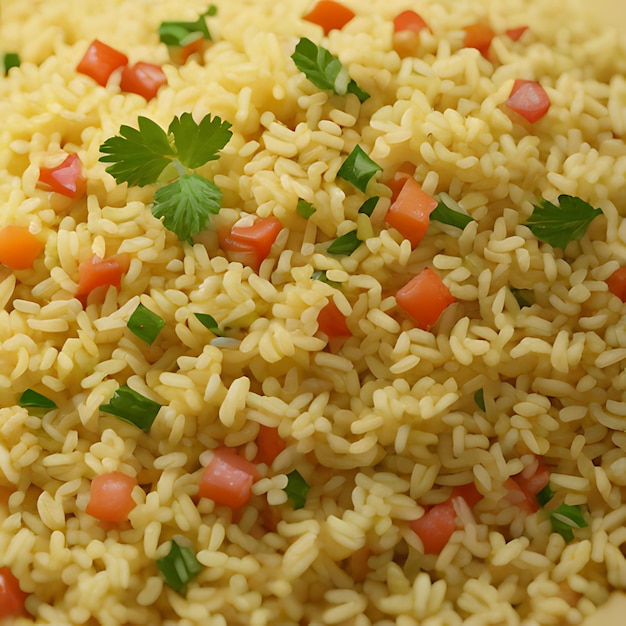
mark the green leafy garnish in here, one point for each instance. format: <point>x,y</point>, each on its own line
<point>358,168</point>
<point>297,489</point>
<point>10,59</point>
<point>545,495</point>
<point>446,215</point>
<point>524,297</point>
<point>565,519</point>
<point>183,33</point>
<point>197,144</point>
<point>145,324</point>
<point>132,407</point>
<point>325,70</point>
<point>367,208</point>
<point>304,208</point>
<point>560,224</point>
<point>209,322</point>
<point>346,244</point>
<point>179,567</point>
<point>479,399</point>
<point>32,399</point>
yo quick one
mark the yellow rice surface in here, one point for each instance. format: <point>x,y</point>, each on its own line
<point>382,426</point>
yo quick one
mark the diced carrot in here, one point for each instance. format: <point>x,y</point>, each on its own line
<point>332,322</point>
<point>250,245</point>
<point>409,20</point>
<point>65,178</point>
<point>110,498</point>
<point>520,498</point>
<point>529,99</point>
<point>228,479</point>
<point>19,247</point>
<point>424,298</point>
<point>410,213</point>
<point>329,15</point>
<point>12,598</point>
<point>100,61</point>
<point>478,36</point>
<point>617,283</point>
<point>469,493</point>
<point>407,27</point>
<point>515,33</point>
<point>534,477</point>
<point>269,444</point>
<point>435,527</point>
<point>405,170</point>
<point>144,79</point>
<point>96,272</point>
<point>358,564</point>
<point>191,48</point>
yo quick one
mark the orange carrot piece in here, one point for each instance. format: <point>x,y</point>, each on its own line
<point>332,322</point>
<point>617,283</point>
<point>12,598</point>
<point>469,493</point>
<point>407,27</point>
<point>329,15</point>
<point>19,247</point>
<point>269,444</point>
<point>515,33</point>
<point>96,272</point>
<point>529,99</point>
<point>519,497</point>
<point>478,36</point>
<point>250,245</point>
<point>533,478</point>
<point>435,527</point>
<point>65,178</point>
<point>110,498</point>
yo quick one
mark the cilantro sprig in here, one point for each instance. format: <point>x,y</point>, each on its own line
<point>140,156</point>
<point>561,224</point>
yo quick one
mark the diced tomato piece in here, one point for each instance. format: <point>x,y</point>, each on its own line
<point>519,497</point>
<point>96,272</point>
<point>250,245</point>
<point>407,27</point>
<point>469,493</point>
<point>478,36</point>
<point>12,598</point>
<point>533,478</point>
<point>269,444</point>
<point>19,247</point>
<point>515,33</point>
<point>110,497</point>
<point>329,15</point>
<point>332,322</point>
<point>529,99</point>
<point>100,61</point>
<point>410,213</point>
<point>424,298</point>
<point>142,78</point>
<point>435,527</point>
<point>617,283</point>
<point>228,479</point>
<point>66,178</point>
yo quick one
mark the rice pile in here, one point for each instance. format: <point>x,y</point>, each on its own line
<point>380,426</point>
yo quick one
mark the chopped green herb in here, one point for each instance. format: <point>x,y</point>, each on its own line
<point>179,567</point>
<point>132,407</point>
<point>321,276</point>
<point>545,495</point>
<point>297,489</point>
<point>304,208</point>
<point>446,215</point>
<point>145,324</point>
<point>11,59</point>
<point>325,70</point>
<point>565,518</point>
<point>524,297</point>
<point>346,244</point>
<point>31,399</point>
<point>367,208</point>
<point>184,33</point>
<point>559,225</point>
<point>479,399</point>
<point>209,322</point>
<point>358,169</point>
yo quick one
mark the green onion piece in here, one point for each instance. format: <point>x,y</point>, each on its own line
<point>479,399</point>
<point>132,407</point>
<point>304,208</point>
<point>297,489</point>
<point>545,495</point>
<point>565,518</point>
<point>446,215</point>
<point>31,398</point>
<point>358,169</point>
<point>179,567</point>
<point>209,322</point>
<point>524,297</point>
<point>323,277</point>
<point>183,33</point>
<point>346,244</point>
<point>145,324</point>
<point>367,208</point>
<point>11,59</point>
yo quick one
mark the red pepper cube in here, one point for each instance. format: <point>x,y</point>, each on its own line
<point>66,178</point>
<point>100,61</point>
<point>144,79</point>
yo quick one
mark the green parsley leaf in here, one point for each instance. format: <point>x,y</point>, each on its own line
<point>145,324</point>
<point>367,208</point>
<point>559,225</point>
<point>177,33</point>
<point>132,407</point>
<point>209,322</point>
<point>446,215</point>
<point>524,297</point>
<point>297,489</point>
<point>179,567</point>
<point>565,518</point>
<point>11,59</point>
<point>325,70</point>
<point>479,399</point>
<point>346,244</point>
<point>545,495</point>
<point>304,208</point>
<point>358,168</point>
<point>197,144</point>
<point>186,204</point>
<point>32,399</point>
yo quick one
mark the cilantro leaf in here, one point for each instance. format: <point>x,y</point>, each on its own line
<point>559,225</point>
<point>325,70</point>
<point>305,209</point>
<point>177,33</point>
<point>186,203</point>
<point>197,144</point>
<point>138,155</point>
<point>446,215</point>
<point>346,244</point>
<point>358,168</point>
